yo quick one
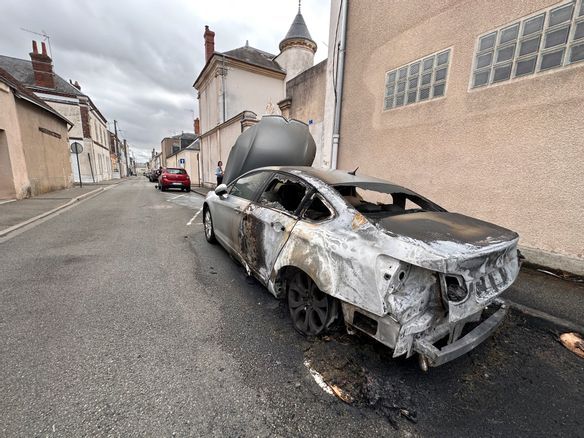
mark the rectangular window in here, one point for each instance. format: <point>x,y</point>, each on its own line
<point>423,79</point>
<point>552,38</point>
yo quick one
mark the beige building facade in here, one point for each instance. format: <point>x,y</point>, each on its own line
<point>89,125</point>
<point>34,153</point>
<point>476,105</point>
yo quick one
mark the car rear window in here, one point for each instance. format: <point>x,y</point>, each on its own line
<point>383,201</point>
<point>176,171</point>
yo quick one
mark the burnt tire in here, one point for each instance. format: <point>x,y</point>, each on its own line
<point>208,226</point>
<point>311,310</point>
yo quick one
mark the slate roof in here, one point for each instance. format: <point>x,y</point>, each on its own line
<point>298,30</point>
<point>195,145</point>
<point>22,71</point>
<point>254,56</point>
<point>20,91</point>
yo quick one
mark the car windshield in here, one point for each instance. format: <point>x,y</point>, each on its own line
<point>176,171</point>
<point>378,201</point>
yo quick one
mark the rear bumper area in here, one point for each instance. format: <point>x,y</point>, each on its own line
<point>439,356</point>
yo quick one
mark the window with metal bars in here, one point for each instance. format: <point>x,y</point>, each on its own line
<point>417,81</point>
<point>546,40</point>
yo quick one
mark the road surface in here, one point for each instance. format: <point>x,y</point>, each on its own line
<point>117,318</point>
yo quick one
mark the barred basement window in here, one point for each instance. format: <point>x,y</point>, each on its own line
<point>420,80</point>
<point>550,39</point>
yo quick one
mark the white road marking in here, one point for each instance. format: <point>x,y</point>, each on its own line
<point>189,223</point>
<point>176,197</point>
<point>318,378</point>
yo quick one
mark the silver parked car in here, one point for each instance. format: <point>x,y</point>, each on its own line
<point>397,266</point>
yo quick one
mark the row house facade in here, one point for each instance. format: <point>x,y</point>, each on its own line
<point>89,124</point>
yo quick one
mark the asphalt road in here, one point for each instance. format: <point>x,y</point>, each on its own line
<point>118,319</point>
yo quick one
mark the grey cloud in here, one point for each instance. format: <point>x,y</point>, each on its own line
<point>138,60</point>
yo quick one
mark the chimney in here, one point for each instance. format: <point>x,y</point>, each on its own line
<point>197,126</point>
<point>76,85</point>
<point>42,66</point>
<point>209,36</point>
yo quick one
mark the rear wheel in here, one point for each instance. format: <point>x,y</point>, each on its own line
<point>208,225</point>
<point>311,310</point>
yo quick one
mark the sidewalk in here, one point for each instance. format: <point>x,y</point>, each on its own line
<point>562,299</point>
<point>201,190</point>
<point>17,212</point>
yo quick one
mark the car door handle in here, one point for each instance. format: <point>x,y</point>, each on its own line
<point>278,226</point>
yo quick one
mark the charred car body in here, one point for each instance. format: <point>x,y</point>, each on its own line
<point>398,266</point>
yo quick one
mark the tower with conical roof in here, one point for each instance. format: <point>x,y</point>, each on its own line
<point>297,49</point>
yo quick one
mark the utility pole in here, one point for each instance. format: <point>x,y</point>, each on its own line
<point>126,154</point>
<point>117,142</point>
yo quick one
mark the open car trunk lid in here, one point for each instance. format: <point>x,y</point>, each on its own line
<point>273,141</point>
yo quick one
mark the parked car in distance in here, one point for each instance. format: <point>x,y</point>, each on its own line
<point>154,174</point>
<point>397,266</point>
<point>174,178</point>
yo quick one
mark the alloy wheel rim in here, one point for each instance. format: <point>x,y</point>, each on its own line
<point>309,307</point>
<point>208,224</point>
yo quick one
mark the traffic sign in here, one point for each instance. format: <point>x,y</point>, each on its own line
<point>76,147</point>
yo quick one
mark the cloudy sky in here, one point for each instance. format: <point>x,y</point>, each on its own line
<point>138,60</point>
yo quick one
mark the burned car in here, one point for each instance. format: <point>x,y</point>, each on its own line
<point>395,265</point>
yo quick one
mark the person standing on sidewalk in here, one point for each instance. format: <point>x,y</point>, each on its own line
<point>219,172</point>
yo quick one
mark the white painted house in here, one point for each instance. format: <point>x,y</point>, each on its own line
<point>238,86</point>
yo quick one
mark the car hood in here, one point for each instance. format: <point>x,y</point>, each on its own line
<point>273,141</point>
<point>447,241</point>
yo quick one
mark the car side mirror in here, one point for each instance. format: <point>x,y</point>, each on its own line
<point>221,190</point>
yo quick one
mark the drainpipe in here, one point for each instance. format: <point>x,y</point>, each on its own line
<point>339,85</point>
<point>223,72</point>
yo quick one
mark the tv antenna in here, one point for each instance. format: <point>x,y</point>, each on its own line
<point>46,37</point>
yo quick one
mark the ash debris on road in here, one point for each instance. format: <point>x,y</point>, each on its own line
<point>342,367</point>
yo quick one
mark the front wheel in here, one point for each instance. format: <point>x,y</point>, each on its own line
<point>312,311</point>
<point>208,225</point>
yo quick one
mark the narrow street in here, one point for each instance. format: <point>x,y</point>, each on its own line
<point>118,318</point>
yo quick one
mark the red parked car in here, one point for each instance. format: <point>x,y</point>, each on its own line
<point>174,178</point>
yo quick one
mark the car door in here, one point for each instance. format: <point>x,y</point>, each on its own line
<point>267,223</point>
<point>229,208</point>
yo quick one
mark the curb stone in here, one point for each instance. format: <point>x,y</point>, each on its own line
<point>546,318</point>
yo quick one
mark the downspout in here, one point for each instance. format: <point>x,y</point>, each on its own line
<point>339,85</point>
<point>223,87</point>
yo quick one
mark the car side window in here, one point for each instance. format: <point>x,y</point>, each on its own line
<point>284,194</point>
<point>318,210</point>
<point>247,186</point>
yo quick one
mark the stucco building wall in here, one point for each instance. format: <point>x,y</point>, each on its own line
<point>215,147</point>
<point>295,60</point>
<point>46,152</point>
<point>307,94</point>
<point>510,153</point>
<point>33,149</point>
<point>191,164</point>
<point>14,181</point>
<point>249,91</point>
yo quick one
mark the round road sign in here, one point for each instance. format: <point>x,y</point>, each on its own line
<point>76,147</point>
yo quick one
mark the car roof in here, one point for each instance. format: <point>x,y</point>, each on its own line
<point>341,178</point>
